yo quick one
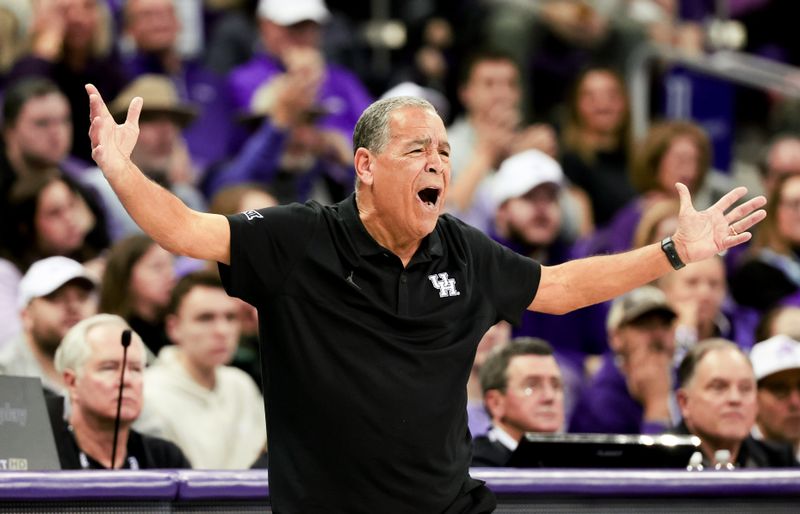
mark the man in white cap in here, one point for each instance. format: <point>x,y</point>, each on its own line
<point>527,190</point>
<point>776,363</point>
<point>54,294</point>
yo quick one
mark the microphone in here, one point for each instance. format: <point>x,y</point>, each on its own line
<point>126,342</point>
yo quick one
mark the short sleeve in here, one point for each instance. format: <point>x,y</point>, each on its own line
<point>266,244</point>
<point>509,280</point>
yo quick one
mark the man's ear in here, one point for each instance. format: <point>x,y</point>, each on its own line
<point>363,164</point>
<point>683,402</point>
<point>495,402</point>
<point>172,329</point>
<point>70,380</point>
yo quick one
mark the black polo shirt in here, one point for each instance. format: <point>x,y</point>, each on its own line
<point>365,361</point>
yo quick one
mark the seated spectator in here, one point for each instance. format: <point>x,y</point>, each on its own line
<point>782,157</point>
<point>290,153</point>
<point>160,151</point>
<point>522,392</point>
<point>697,293</point>
<point>673,151</point>
<point>152,27</point>
<point>658,221</point>
<point>232,200</point>
<point>632,390</point>
<point>776,364</point>
<point>55,294</point>
<point>489,131</point>
<point>136,285</point>
<point>90,361</point>
<point>47,215</point>
<point>780,320</point>
<point>478,419</point>
<point>72,44</point>
<point>596,141</point>
<point>528,220</point>
<point>768,273</point>
<point>717,400</point>
<point>291,41</point>
<point>212,411</point>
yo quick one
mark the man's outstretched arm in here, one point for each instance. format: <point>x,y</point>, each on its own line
<point>166,219</point>
<point>700,235</point>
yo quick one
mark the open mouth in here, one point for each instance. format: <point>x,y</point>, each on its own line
<point>429,196</point>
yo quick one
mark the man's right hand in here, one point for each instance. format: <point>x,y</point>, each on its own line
<point>112,144</point>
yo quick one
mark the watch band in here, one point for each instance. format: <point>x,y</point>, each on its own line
<point>672,254</point>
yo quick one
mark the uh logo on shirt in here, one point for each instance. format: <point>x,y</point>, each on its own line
<point>444,284</point>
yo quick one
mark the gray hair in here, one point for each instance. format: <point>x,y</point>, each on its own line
<point>372,129</point>
<point>75,350</point>
<point>697,353</point>
<point>493,373</point>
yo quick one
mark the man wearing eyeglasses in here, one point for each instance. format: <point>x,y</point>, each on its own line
<point>522,392</point>
<point>776,362</point>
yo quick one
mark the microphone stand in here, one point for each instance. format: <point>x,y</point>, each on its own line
<point>126,342</point>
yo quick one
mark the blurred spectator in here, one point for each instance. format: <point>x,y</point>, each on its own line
<point>72,44</point>
<point>776,364</point>
<point>153,27</point>
<point>596,141</point>
<point>478,419</point>
<point>212,411</point>
<point>673,151</point>
<point>47,215</point>
<point>160,151</point>
<point>55,294</point>
<point>137,283</point>
<point>289,152</point>
<point>90,362</point>
<point>697,293</point>
<point>528,221</point>
<point>717,399</point>
<point>769,272</point>
<point>233,39</point>
<point>555,39</point>
<point>522,392</point>
<point>780,320</point>
<point>489,131</point>
<point>632,390</point>
<point>291,35</point>
<point>15,18</point>
<point>781,158</point>
<point>227,201</point>
<point>658,221</point>
<point>36,138</point>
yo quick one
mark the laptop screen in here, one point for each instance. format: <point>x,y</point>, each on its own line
<point>26,436</point>
<point>604,451</point>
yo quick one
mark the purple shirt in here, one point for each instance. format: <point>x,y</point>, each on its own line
<point>605,406</point>
<point>341,92</point>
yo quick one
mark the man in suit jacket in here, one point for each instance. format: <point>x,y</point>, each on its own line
<point>523,392</point>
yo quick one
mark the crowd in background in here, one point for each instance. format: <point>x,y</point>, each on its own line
<point>250,104</point>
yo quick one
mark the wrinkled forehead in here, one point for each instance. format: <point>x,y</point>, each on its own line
<point>417,123</point>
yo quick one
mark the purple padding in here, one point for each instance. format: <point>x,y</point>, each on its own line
<point>80,485</point>
<point>607,482</point>
<point>200,485</point>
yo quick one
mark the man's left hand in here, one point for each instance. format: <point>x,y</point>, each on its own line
<point>703,234</point>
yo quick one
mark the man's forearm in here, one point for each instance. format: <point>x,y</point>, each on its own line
<point>583,282</point>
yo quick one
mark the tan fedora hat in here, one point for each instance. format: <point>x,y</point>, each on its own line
<point>160,97</point>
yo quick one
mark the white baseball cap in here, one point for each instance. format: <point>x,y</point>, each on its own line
<point>47,275</point>
<point>289,12</point>
<point>522,172</point>
<point>778,353</point>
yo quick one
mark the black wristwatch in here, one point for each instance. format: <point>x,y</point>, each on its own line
<point>672,254</point>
